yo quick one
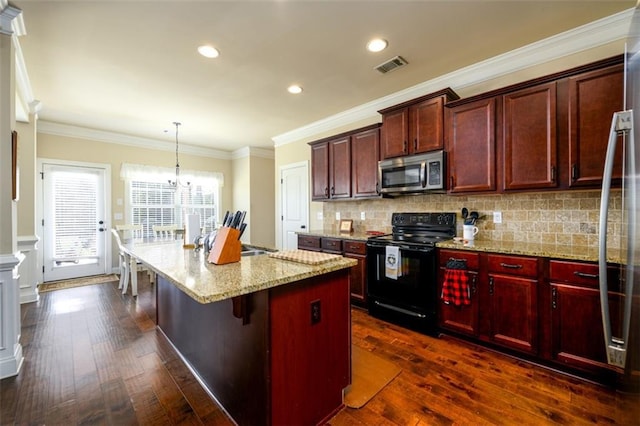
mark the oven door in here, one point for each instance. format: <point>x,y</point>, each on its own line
<point>413,293</point>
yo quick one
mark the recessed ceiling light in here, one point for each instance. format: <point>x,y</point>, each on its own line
<point>208,51</point>
<point>295,89</point>
<point>377,45</point>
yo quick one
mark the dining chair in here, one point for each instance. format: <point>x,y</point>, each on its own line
<point>165,231</point>
<point>130,231</point>
<point>124,263</point>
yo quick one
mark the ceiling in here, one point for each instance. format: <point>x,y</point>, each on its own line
<point>131,67</point>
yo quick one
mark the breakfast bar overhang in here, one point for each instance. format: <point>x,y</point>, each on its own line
<point>269,339</point>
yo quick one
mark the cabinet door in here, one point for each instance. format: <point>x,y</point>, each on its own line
<point>530,139</point>
<point>365,153</point>
<point>320,172</point>
<point>470,145</point>
<point>309,242</point>
<point>593,98</point>
<point>577,336</point>
<point>514,312</point>
<point>461,319</point>
<point>426,123</point>
<point>395,133</point>
<point>340,168</point>
<point>357,250</point>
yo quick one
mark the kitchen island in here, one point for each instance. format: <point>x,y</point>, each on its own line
<point>268,338</point>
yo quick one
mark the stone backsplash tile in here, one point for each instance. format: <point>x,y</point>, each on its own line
<point>568,217</point>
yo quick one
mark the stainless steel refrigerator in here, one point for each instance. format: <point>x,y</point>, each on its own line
<point>620,316</point>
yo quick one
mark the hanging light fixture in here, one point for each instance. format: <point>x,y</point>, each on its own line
<point>177,182</point>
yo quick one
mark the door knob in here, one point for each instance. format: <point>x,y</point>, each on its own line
<point>303,227</point>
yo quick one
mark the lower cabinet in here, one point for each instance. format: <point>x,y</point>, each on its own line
<point>513,287</point>
<point>548,309</point>
<point>464,318</point>
<point>355,249</point>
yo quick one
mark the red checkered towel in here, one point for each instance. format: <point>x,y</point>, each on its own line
<point>455,288</point>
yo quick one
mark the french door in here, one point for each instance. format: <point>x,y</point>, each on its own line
<point>74,225</point>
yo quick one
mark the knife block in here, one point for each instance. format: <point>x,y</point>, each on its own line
<point>226,247</point>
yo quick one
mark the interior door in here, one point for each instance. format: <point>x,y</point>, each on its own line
<point>295,203</point>
<point>74,227</point>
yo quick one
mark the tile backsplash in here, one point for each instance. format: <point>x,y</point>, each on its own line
<point>568,217</point>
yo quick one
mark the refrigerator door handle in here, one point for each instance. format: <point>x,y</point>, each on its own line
<point>616,347</point>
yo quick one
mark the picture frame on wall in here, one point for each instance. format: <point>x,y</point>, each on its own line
<point>14,166</point>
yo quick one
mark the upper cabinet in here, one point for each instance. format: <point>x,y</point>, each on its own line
<point>346,165</point>
<point>547,133</point>
<point>415,126</point>
<point>593,97</point>
<point>471,146</point>
<point>530,142</point>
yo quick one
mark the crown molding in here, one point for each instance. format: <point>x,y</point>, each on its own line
<point>249,151</point>
<point>66,130</point>
<point>598,33</point>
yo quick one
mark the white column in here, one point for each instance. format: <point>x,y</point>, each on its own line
<point>10,348</point>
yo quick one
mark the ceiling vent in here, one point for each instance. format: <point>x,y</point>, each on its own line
<point>391,64</point>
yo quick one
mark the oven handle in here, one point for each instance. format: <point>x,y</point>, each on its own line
<point>404,311</point>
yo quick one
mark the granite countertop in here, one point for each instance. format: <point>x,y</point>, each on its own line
<point>553,251</point>
<point>188,270</point>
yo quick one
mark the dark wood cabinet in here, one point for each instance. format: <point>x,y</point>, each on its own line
<point>593,98</point>
<point>530,138</point>
<point>346,165</point>
<point>320,171</point>
<point>471,146</point>
<point>357,250</point>
<point>331,169</point>
<point>354,249</point>
<point>577,337</point>
<point>309,242</point>
<point>513,287</point>
<point>460,319</point>
<point>415,126</point>
<point>365,154</point>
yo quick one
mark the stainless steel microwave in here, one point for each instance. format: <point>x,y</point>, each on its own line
<point>412,174</point>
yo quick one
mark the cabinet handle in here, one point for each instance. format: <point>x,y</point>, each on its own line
<point>415,144</point>
<point>326,191</point>
<point>574,172</point>
<point>553,173</point>
<point>377,188</point>
<point>404,147</point>
<point>457,260</point>
<point>474,287</point>
<point>554,298</point>
<point>510,265</point>
<point>585,275</point>
<point>451,182</point>
<point>490,286</point>
<point>333,191</point>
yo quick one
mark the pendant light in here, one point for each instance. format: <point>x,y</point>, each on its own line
<point>177,182</point>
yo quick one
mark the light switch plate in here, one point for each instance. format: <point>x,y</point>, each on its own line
<point>319,216</point>
<point>117,216</point>
<point>337,215</point>
<point>497,217</point>
<point>363,215</point>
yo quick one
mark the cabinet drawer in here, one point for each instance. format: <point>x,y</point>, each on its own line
<point>513,265</point>
<point>471,259</point>
<point>308,242</point>
<point>584,274</point>
<point>331,244</point>
<point>355,247</point>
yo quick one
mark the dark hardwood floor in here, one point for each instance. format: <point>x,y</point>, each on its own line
<point>93,356</point>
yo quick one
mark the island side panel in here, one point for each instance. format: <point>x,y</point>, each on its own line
<point>310,362</point>
<point>231,358</point>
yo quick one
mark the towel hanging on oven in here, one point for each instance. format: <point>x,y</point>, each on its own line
<point>455,287</point>
<point>392,261</point>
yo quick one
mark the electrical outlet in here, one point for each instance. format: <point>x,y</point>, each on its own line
<point>319,216</point>
<point>117,216</point>
<point>315,312</point>
<point>497,217</point>
<point>363,215</point>
<point>337,215</point>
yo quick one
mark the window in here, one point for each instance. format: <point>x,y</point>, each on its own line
<point>151,200</point>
